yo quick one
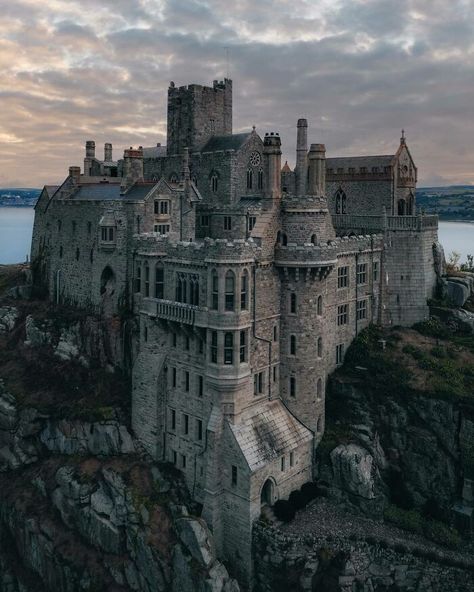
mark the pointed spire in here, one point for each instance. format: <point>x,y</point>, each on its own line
<point>286,168</point>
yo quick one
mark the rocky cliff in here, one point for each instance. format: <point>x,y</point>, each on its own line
<point>81,507</point>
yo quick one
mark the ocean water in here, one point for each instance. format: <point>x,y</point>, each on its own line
<point>16,226</point>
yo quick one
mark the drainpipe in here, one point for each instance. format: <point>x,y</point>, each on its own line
<point>269,341</point>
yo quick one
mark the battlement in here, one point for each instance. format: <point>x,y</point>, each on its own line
<point>296,203</point>
<point>367,223</point>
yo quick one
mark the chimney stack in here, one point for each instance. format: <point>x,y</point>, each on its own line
<point>301,156</point>
<point>132,168</point>
<point>90,149</point>
<point>317,170</point>
<point>272,160</point>
<point>108,152</point>
<point>75,174</point>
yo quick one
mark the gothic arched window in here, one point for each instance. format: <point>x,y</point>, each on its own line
<point>340,201</point>
<point>260,179</point>
<point>249,179</point>
<point>320,306</point>
<point>319,389</point>
<point>229,290</point>
<point>214,290</point>
<point>244,289</point>
<point>320,347</point>
<point>214,182</point>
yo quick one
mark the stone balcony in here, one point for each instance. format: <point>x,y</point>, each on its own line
<point>308,255</point>
<point>368,224</point>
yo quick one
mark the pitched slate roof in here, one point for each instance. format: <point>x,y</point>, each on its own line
<point>356,162</point>
<point>232,142</point>
<point>111,191</point>
<point>270,434</point>
<point>51,189</point>
<point>154,152</point>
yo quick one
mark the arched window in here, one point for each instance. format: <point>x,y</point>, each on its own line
<point>159,281</point>
<point>284,239</point>
<point>320,347</point>
<point>244,290</point>
<point>278,237</point>
<point>401,207</point>
<point>313,239</point>
<point>147,279</point>
<point>91,256</point>
<point>260,179</point>
<point>320,306</point>
<point>194,290</point>
<point>293,302</point>
<point>181,287</point>
<point>61,252</point>
<point>340,201</point>
<point>319,389</point>
<point>228,348</point>
<point>292,345</point>
<point>229,290</point>
<point>214,182</point>
<point>214,290</point>
<point>138,277</point>
<point>173,178</point>
<point>249,179</point>
<point>107,282</point>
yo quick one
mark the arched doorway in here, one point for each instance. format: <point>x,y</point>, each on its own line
<point>267,496</point>
<point>402,207</point>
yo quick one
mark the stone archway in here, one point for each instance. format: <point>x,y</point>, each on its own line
<point>268,495</point>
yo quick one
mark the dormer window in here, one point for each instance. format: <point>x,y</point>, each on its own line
<point>108,230</point>
<point>363,170</point>
<point>173,178</point>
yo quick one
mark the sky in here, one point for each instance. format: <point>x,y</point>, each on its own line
<point>358,70</point>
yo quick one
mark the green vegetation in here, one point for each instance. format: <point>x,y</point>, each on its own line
<point>413,521</point>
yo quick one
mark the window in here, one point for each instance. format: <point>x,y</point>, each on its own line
<point>318,425</point>
<point>173,375</point>
<point>258,383</point>
<point>186,381</point>
<point>214,290</point>
<point>187,343</point>
<point>319,389</point>
<point>274,373</point>
<point>293,303</point>
<point>292,459</point>
<point>363,170</point>
<point>251,221</point>
<point>228,348</point>
<point>352,170</point>
<point>284,239</point>
<point>162,228</point>
<point>361,273</point>
<point>375,170</point>
<point>342,277</point>
<point>361,310</point>
<point>91,256</point>
<point>183,461</point>
<point>59,225</point>
<point>342,316</point>
<point>156,207</point>
<point>214,182</point>
<point>201,345</point>
<point>275,333</point>
<point>173,419</point>
<point>185,424</point>
<point>282,463</point>
<point>147,279</point>
<point>243,345</point>
<point>339,353</point>
<point>227,223</point>
<point>159,282</point>
<point>187,288</point>
<point>341,200</point>
<point>292,386</point>
<point>234,475</point>
<point>107,234</point>
<point>319,307</point>
<point>244,287</point>
<point>78,253</point>
<point>340,170</point>
<point>292,345</point>
<point>205,221</point>
<point>260,179</point>
<point>214,347</point>
<point>174,339</point>
<point>200,389</point>
<point>320,347</point>
<point>199,429</point>
<point>313,239</point>
<point>145,333</point>
<point>249,179</point>
<point>162,207</point>
<point>61,252</point>
<point>229,290</point>
<point>174,457</point>
<point>375,271</point>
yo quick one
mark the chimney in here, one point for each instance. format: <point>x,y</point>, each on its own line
<point>272,160</point>
<point>90,149</point>
<point>317,170</point>
<point>75,174</point>
<point>107,152</point>
<point>132,168</point>
<point>301,156</point>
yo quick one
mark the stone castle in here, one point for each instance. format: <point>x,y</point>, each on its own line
<point>239,285</point>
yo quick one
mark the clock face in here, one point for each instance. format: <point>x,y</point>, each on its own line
<point>255,158</point>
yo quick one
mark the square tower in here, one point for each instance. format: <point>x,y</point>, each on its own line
<point>196,113</point>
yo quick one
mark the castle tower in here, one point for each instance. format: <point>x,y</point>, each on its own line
<point>108,152</point>
<point>272,161</point>
<point>317,170</point>
<point>132,168</point>
<point>196,113</point>
<point>301,156</point>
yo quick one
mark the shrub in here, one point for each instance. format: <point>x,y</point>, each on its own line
<point>442,534</point>
<point>438,352</point>
<point>409,520</point>
<point>297,500</point>
<point>310,491</point>
<point>284,510</point>
<point>432,328</point>
<point>413,351</point>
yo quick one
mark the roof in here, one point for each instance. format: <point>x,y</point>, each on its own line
<point>269,434</point>
<point>356,162</point>
<point>51,189</point>
<point>286,168</point>
<point>231,142</point>
<point>154,152</point>
<point>111,191</point>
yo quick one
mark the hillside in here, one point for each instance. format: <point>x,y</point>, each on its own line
<point>18,197</point>
<point>450,203</point>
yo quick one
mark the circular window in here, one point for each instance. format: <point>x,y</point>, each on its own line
<point>255,158</point>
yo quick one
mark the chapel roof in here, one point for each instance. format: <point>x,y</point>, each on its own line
<point>356,162</point>
<point>229,142</point>
<point>269,434</point>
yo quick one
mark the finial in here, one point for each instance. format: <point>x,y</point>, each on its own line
<point>253,128</point>
<point>402,139</point>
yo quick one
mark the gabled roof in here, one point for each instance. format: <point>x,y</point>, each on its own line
<point>231,142</point>
<point>286,168</point>
<point>154,152</point>
<point>111,192</point>
<point>271,433</point>
<point>51,189</point>
<point>356,162</point>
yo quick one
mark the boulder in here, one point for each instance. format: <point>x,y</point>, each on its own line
<point>457,292</point>
<point>8,318</point>
<point>37,334</point>
<point>196,537</point>
<point>354,470</point>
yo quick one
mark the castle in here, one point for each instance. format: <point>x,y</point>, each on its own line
<point>246,283</point>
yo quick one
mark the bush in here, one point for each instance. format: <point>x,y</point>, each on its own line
<point>297,500</point>
<point>413,351</point>
<point>284,511</point>
<point>310,491</point>
<point>432,328</point>
<point>409,520</point>
<point>438,352</point>
<point>442,534</point>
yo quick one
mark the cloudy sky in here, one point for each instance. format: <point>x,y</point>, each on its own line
<point>358,70</point>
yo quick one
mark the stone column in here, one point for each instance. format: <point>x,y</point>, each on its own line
<point>301,156</point>
<point>317,170</point>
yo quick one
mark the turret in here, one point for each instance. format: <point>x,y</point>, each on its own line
<point>108,152</point>
<point>301,156</point>
<point>132,168</point>
<point>317,170</point>
<point>272,156</point>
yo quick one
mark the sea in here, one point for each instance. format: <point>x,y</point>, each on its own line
<point>16,227</point>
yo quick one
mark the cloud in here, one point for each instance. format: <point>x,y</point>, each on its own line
<point>359,70</point>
